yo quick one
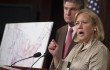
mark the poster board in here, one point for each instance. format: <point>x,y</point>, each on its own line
<point>21,40</point>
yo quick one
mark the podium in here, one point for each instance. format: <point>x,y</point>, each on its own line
<point>5,67</point>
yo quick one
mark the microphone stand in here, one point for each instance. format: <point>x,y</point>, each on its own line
<point>36,61</point>
<point>35,55</point>
<point>21,60</point>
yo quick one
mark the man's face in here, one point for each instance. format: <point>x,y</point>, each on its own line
<point>70,9</point>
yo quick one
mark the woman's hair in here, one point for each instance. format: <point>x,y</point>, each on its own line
<point>99,32</point>
<point>80,2</point>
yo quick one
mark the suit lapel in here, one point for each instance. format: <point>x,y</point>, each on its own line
<point>62,38</point>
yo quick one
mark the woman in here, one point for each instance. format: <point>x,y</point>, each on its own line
<point>90,53</point>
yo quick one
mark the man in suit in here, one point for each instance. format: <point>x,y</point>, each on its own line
<point>71,7</point>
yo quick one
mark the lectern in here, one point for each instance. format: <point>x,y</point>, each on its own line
<point>5,67</point>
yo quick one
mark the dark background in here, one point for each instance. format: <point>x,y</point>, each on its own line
<point>45,10</point>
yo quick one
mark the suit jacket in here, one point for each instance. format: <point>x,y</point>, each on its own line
<point>94,56</point>
<point>60,39</point>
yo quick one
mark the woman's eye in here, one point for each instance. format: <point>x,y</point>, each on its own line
<point>80,23</point>
<point>76,23</point>
<point>84,22</point>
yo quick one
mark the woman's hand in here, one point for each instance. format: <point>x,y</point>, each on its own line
<point>54,50</point>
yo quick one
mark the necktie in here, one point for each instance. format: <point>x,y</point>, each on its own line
<point>68,41</point>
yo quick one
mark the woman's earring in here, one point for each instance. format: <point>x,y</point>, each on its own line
<point>95,29</point>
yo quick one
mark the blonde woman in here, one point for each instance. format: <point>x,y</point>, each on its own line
<point>90,53</point>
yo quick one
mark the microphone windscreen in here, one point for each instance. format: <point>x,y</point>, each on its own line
<point>37,54</point>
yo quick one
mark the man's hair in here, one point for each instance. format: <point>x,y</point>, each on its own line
<point>80,2</point>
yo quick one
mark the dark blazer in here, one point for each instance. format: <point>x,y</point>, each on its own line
<point>60,39</point>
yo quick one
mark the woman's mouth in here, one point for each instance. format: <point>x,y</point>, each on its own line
<point>81,33</point>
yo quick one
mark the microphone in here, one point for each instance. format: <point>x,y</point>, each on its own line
<point>37,60</point>
<point>69,64</point>
<point>35,55</point>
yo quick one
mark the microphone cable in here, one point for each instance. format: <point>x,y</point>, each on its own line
<point>37,60</point>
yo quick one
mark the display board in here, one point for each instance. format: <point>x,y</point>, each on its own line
<point>21,40</point>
